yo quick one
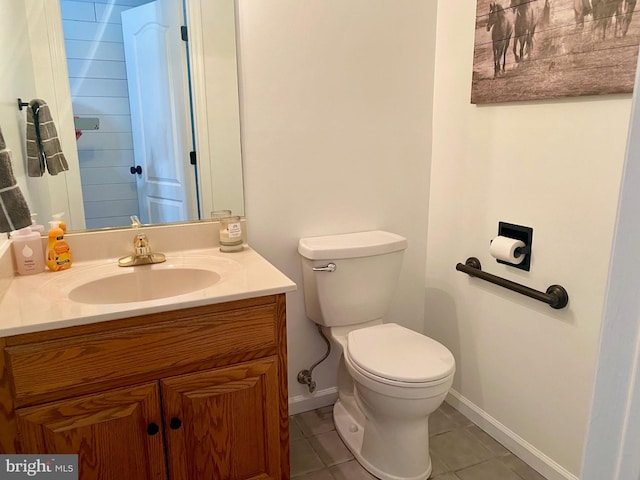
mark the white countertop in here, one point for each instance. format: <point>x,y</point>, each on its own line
<point>40,302</point>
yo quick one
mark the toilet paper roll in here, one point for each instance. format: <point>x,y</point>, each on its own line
<point>504,248</point>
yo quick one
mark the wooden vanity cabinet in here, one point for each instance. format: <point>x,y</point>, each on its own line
<point>199,393</point>
<point>113,432</point>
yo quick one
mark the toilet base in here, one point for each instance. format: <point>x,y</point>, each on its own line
<point>350,428</point>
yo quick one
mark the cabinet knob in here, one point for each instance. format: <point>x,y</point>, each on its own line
<point>175,423</point>
<point>153,429</point>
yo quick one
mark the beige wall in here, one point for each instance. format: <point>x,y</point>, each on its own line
<point>336,114</point>
<point>28,57</point>
<point>551,165</point>
<point>336,118</point>
<point>16,81</point>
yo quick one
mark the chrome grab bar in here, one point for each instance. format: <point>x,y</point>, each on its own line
<point>329,267</point>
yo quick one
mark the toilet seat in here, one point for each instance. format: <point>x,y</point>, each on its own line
<point>395,355</point>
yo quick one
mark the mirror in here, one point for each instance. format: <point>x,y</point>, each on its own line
<point>82,73</point>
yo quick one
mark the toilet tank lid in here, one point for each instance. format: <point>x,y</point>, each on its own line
<point>351,245</point>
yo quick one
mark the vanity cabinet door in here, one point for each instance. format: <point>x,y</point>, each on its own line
<point>223,424</point>
<point>117,434</point>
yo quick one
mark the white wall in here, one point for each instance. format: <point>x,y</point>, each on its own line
<point>16,81</point>
<point>551,165</point>
<point>336,118</point>
<point>23,73</point>
<point>614,425</point>
<point>29,57</point>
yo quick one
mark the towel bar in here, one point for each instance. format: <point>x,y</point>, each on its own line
<point>22,104</point>
<point>555,296</point>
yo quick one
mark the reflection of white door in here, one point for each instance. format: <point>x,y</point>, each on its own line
<point>158,94</point>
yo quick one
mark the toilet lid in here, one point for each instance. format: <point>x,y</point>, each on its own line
<point>397,353</point>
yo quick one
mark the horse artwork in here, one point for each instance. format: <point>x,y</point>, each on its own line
<point>604,12</point>
<point>624,15</point>
<point>545,18</point>
<point>525,19</point>
<point>581,8</point>
<point>544,49</point>
<point>501,26</point>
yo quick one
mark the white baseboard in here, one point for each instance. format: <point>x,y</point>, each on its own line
<point>319,399</point>
<point>516,444</point>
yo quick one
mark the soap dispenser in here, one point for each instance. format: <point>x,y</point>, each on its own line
<point>57,217</point>
<point>28,252</point>
<point>35,226</point>
<point>58,253</point>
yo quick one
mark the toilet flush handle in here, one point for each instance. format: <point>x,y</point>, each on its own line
<point>329,267</point>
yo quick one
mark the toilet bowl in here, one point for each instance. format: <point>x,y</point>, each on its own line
<point>399,378</point>
<point>390,378</point>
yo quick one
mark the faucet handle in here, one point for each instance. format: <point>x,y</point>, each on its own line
<point>135,221</point>
<point>141,245</point>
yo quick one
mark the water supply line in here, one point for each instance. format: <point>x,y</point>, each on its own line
<point>304,376</point>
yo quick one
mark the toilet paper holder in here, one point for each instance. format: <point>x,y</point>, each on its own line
<point>518,232</point>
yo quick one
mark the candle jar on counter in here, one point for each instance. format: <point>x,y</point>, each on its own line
<point>230,234</point>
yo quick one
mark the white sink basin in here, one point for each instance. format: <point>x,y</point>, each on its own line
<point>140,284</point>
<point>105,284</point>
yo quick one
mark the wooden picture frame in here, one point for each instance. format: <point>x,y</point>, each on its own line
<point>536,49</point>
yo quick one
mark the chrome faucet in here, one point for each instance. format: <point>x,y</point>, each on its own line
<point>142,253</point>
<point>135,221</point>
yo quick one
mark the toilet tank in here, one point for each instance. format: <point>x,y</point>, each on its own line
<point>366,274</point>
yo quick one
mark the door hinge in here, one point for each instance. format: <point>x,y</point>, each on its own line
<point>193,158</point>
<point>183,33</point>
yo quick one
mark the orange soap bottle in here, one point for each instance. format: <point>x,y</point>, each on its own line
<point>57,217</point>
<point>58,255</point>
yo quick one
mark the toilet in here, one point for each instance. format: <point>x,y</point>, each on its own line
<point>390,378</point>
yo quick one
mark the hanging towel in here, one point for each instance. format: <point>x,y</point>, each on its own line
<point>14,211</point>
<point>43,145</point>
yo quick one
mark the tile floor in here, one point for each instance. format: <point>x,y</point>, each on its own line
<point>459,450</point>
